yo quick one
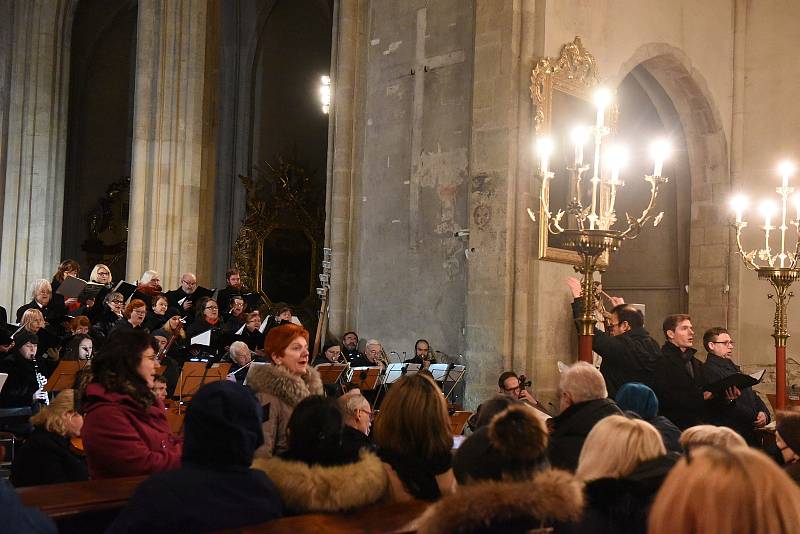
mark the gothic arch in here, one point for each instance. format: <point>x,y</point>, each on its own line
<point>710,303</point>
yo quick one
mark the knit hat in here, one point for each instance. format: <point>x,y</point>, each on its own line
<point>23,336</point>
<point>789,428</point>
<point>513,445</point>
<point>638,398</point>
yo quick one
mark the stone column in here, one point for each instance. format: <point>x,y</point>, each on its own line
<point>33,130</point>
<point>173,167</point>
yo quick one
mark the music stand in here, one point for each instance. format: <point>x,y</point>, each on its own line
<point>195,374</point>
<point>365,378</point>
<point>64,375</point>
<point>447,372</point>
<point>393,373</point>
<point>331,372</point>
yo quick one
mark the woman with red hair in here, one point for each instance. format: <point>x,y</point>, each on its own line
<point>281,386</point>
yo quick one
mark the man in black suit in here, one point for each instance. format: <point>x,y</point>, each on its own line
<point>184,297</point>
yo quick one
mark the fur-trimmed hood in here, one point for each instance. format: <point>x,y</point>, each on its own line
<point>337,488</point>
<point>552,496</point>
<point>283,384</point>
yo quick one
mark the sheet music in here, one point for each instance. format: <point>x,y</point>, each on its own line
<point>263,325</point>
<point>3,378</point>
<point>202,339</point>
<point>239,332</point>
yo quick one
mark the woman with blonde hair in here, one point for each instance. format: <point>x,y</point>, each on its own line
<point>623,462</point>
<point>713,436</point>
<point>735,491</point>
<point>413,436</point>
<point>47,456</point>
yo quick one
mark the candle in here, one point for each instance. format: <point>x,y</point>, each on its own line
<point>660,150</point>
<point>739,203</point>
<point>617,155</point>
<point>786,169</point>
<point>601,98</point>
<point>767,209</point>
<point>579,138</point>
<point>544,146</point>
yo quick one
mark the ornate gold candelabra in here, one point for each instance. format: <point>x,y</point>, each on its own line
<point>588,229</point>
<point>779,268</point>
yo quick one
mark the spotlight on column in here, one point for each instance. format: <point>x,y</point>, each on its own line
<point>325,93</point>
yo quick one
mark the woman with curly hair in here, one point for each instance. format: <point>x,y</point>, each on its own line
<point>281,387</point>
<point>125,431</point>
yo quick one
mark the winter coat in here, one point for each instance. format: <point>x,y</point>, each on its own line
<point>215,488</point>
<point>279,391</point>
<point>628,357</point>
<point>622,505</point>
<point>551,498</point>
<point>738,414</point>
<point>680,396</point>
<point>571,427</point>
<point>122,438</point>
<point>46,458</point>
<point>335,488</point>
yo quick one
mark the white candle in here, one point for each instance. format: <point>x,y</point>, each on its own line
<point>786,168</point>
<point>659,150</point>
<point>579,138</point>
<point>739,204</point>
<point>544,146</point>
<point>601,98</point>
<point>617,157</point>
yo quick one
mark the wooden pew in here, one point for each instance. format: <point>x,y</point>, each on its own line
<point>82,506</point>
<point>379,518</point>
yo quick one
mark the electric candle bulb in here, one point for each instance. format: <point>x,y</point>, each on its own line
<point>786,169</point>
<point>617,157</point>
<point>739,204</point>
<point>767,210</point>
<point>660,150</point>
<point>601,99</point>
<point>579,137</point>
<point>544,147</point>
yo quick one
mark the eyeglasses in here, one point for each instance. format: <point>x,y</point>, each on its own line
<point>117,301</point>
<point>510,390</point>
<point>729,343</point>
<point>370,414</point>
<point>188,283</point>
<point>212,307</point>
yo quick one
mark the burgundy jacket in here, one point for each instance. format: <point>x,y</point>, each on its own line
<point>123,439</point>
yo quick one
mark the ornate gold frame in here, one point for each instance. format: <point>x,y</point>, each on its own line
<point>574,73</point>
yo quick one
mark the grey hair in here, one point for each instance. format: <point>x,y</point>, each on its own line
<point>36,285</point>
<point>583,382</point>
<point>373,342</point>
<point>147,276</point>
<point>112,295</point>
<point>236,346</point>
<point>350,403</point>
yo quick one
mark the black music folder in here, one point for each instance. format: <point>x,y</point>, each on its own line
<point>127,289</point>
<point>739,380</point>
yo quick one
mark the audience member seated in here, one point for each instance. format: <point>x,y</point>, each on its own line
<point>583,402</point>
<point>414,441</point>
<point>125,429</point>
<point>504,482</point>
<point>735,491</point>
<point>47,457</point>
<point>51,305</point>
<point>158,314</point>
<point>623,462</point>
<point>241,357</point>
<point>316,474</point>
<point>511,446</point>
<point>20,519</point>
<point>149,286</point>
<point>20,395</point>
<point>488,409</point>
<point>133,317</point>
<point>215,488</point>
<point>743,411</point>
<point>787,437</point>
<point>712,436</point>
<point>357,422</point>
<point>281,387</point>
<point>113,304</point>
<point>640,400</point>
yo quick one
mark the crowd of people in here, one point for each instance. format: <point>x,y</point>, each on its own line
<point>645,443</point>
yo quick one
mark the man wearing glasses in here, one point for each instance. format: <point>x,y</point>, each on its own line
<point>185,296</point>
<point>743,411</point>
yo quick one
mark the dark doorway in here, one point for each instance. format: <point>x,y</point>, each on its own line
<point>103,62</point>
